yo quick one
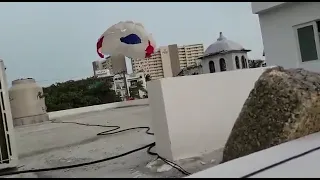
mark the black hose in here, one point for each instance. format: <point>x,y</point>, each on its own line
<point>76,165</point>
<point>108,132</point>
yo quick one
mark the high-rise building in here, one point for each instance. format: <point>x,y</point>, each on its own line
<point>109,66</point>
<point>167,61</point>
<point>189,54</point>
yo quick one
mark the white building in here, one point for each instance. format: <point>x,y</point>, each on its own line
<point>224,55</point>
<point>290,33</point>
<point>102,73</point>
<point>132,80</point>
<point>109,66</point>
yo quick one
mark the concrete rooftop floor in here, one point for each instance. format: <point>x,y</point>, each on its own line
<point>57,144</point>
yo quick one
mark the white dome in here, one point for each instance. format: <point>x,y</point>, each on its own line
<point>222,45</point>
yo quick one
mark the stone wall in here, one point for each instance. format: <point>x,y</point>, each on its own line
<point>284,105</point>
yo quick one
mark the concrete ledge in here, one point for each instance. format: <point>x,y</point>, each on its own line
<point>75,111</point>
<point>305,166</point>
<point>30,120</point>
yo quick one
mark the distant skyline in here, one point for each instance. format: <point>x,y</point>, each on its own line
<point>56,41</point>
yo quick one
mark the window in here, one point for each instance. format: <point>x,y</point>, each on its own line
<point>308,41</point>
<point>211,67</point>
<point>237,62</point>
<point>223,66</point>
<point>243,62</point>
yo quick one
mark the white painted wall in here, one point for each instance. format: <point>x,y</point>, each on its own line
<point>280,44</point>
<point>258,7</point>
<point>166,61</point>
<point>68,112</point>
<point>229,58</point>
<point>194,115</point>
<point>240,62</point>
<point>159,120</point>
<point>215,59</point>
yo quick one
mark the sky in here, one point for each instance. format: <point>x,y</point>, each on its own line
<point>54,42</point>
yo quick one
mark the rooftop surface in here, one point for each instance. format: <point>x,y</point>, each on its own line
<point>50,144</point>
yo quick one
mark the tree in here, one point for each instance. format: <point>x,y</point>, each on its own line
<point>148,77</point>
<point>134,91</point>
<point>256,63</point>
<point>74,94</point>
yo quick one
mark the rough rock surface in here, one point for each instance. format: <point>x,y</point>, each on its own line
<point>284,105</point>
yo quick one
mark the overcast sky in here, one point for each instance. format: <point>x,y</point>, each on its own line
<point>57,41</point>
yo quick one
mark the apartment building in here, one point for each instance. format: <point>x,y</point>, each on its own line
<point>167,61</point>
<point>132,80</point>
<point>189,54</point>
<point>151,66</point>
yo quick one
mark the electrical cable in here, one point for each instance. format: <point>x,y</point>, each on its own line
<point>149,146</point>
<point>108,132</point>
<point>75,165</point>
<point>281,162</point>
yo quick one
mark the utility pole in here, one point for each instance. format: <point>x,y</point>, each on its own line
<point>127,94</point>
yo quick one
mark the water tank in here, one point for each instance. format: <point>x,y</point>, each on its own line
<point>27,102</point>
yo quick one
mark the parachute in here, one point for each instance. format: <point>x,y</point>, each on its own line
<point>126,38</point>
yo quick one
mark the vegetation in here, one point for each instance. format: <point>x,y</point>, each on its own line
<point>75,94</point>
<point>85,92</point>
<point>256,63</point>
<point>148,77</point>
<point>134,90</point>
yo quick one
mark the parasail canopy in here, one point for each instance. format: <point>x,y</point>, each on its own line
<point>126,38</point>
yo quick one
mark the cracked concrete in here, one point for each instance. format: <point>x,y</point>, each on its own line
<point>55,144</point>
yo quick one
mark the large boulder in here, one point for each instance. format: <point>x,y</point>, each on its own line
<point>284,105</point>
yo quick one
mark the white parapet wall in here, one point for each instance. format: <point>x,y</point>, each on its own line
<point>75,111</point>
<point>298,158</point>
<point>194,115</point>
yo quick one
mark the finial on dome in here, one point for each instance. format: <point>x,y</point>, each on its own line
<point>221,37</point>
